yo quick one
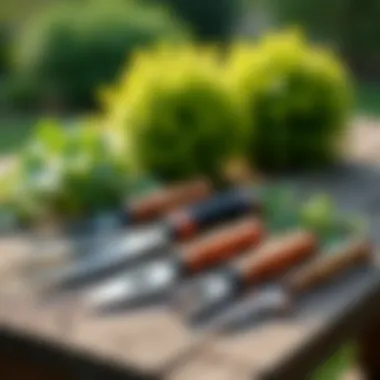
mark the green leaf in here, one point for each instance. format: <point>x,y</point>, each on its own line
<point>50,136</point>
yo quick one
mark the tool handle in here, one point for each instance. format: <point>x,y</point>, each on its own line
<point>276,256</point>
<point>222,207</point>
<point>222,245</point>
<point>324,268</point>
<point>166,200</point>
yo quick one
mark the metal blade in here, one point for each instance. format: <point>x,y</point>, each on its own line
<point>110,258</point>
<point>261,305</point>
<point>138,287</point>
<point>205,296</point>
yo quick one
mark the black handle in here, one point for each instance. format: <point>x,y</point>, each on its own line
<point>223,207</point>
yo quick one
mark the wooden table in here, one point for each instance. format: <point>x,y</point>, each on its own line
<point>155,343</point>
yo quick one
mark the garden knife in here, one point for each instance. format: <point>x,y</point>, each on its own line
<point>211,293</point>
<point>158,277</point>
<point>281,298</point>
<point>149,242</point>
<point>148,208</point>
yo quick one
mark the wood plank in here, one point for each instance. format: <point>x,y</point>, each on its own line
<point>209,366</point>
<point>146,340</point>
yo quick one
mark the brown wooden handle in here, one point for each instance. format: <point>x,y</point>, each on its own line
<point>166,200</point>
<point>276,256</point>
<point>224,244</point>
<point>330,265</point>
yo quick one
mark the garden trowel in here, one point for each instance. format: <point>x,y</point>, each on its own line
<point>207,295</point>
<point>158,278</point>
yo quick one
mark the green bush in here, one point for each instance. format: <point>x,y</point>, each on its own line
<point>350,26</point>
<point>299,96</point>
<point>73,48</point>
<point>180,116</point>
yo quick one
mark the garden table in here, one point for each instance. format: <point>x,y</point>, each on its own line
<point>155,343</point>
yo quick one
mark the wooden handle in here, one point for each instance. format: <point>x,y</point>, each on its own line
<point>222,245</point>
<point>328,266</point>
<point>169,199</point>
<point>276,256</point>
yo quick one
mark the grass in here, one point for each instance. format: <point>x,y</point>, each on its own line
<point>337,365</point>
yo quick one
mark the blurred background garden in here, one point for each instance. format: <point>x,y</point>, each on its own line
<point>56,55</point>
<point>94,94</point>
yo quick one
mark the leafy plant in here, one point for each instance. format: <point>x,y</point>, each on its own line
<point>70,173</point>
<point>180,117</point>
<point>299,97</point>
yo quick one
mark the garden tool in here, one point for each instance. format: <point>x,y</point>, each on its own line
<point>153,206</point>
<point>281,298</point>
<point>54,252</point>
<point>154,241</point>
<point>156,279</point>
<point>211,293</point>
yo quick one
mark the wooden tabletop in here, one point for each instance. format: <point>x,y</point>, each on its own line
<point>156,343</point>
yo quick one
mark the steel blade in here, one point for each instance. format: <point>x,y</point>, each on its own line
<point>255,308</point>
<point>138,287</point>
<point>204,296</point>
<point>111,258</point>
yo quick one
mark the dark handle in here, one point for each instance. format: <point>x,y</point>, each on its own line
<point>166,200</point>
<point>329,266</point>
<point>223,245</point>
<point>276,256</point>
<point>223,207</point>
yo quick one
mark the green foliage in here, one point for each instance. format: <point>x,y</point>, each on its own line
<point>319,213</point>
<point>299,97</point>
<point>4,50</point>
<point>351,26</point>
<point>70,172</point>
<point>180,116</point>
<point>336,366</point>
<point>73,48</point>
<point>18,93</point>
<point>211,20</point>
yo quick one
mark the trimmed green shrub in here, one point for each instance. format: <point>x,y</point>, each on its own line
<point>180,116</point>
<point>73,48</point>
<point>299,97</point>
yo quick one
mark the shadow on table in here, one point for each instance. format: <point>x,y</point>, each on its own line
<point>322,306</point>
